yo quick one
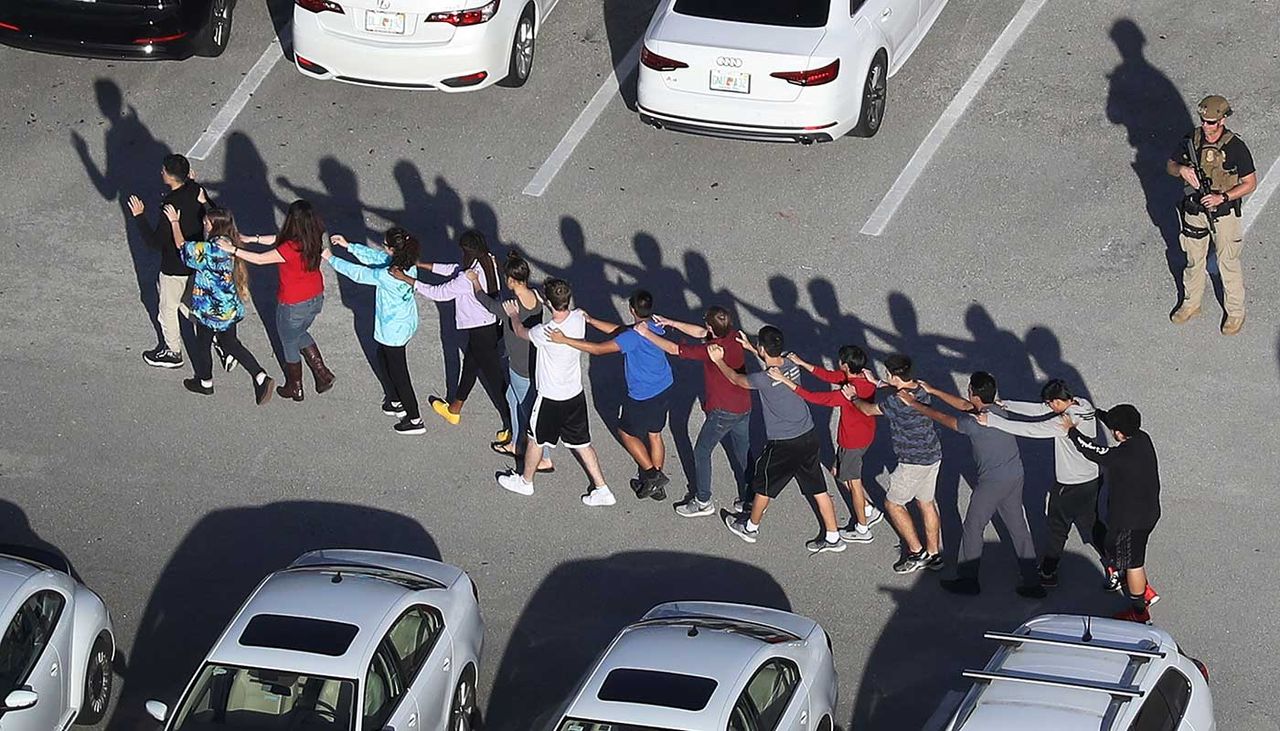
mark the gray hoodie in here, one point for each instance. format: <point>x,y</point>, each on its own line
<point>1069,465</point>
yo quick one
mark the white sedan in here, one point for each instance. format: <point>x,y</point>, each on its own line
<point>343,640</point>
<point>450,45</point>
<point>709,666</point>
<point>57,647</point>
<point>776,70</point>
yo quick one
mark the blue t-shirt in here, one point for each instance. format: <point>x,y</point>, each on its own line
<point>648,371</point>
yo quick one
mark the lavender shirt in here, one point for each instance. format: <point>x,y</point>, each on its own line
<point>468,313</point>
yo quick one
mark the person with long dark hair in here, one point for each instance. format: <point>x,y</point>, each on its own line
<point>296,253</point>
<point>218,292</point>
<point>481,357</point>
<point>395,315</point>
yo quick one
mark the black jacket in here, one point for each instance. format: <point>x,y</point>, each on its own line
<point>1132,476</point>
<point>190,219</point>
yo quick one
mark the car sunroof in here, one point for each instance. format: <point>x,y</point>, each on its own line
<point>301,634</point>
<point>656,688</point>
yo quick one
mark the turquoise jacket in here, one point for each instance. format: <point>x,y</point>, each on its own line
<point>395,314</point>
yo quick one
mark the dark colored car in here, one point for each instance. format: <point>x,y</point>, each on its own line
<point>125,29</point>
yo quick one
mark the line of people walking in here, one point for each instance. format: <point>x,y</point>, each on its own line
<point>524,345</point>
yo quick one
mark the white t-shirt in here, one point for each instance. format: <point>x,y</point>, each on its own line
<point>558,369</point>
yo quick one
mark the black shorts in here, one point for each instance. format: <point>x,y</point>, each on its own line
<point>641,418</point>
<point>1128,548</point>
<point>560,421</point>
<point>784,459</point>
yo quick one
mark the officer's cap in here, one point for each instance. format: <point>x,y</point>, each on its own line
<point>1214,107</point>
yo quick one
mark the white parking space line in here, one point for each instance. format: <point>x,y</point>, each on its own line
<point>240,97</point>
<point>547,172</point>
<point>1266,186</point>
<point>880,217</point>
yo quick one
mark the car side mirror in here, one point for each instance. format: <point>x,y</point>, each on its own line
<point>20,699</point>
<point>158,711</point>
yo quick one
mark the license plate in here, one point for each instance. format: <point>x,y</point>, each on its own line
<point>379,22</point>
<point>738,82</point>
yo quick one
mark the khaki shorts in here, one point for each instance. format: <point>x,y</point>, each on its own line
<point>910,482</point>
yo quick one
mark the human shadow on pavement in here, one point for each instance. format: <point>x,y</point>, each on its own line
<point>217,565</point>
<point>16,533</point>
<point>581,605</point>
<point>1143,99</point>
<point>932,636</point>
<point>132,166</point>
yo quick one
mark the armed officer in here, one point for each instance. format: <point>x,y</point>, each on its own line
<point>1211,210</point>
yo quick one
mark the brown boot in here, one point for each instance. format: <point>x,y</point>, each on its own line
<point>1184,313</point>
<point>292,387</point>
<point>1233,324</point>
<point>324,377</point>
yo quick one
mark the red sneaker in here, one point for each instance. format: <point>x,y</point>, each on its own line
<point>1150,596</point>
<point>1133,615</point>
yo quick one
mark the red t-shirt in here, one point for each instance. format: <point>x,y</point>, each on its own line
<point>856,430</point>
<point>296,283</point>
<point>721,394</point>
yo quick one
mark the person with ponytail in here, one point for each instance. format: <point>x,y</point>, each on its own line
<point>218,292</point>
<point>395,315</point>
<point>481,356</point>
<point>296,253</point>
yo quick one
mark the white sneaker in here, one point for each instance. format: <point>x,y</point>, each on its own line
<point>515,483</point>
<point>599,497</point>
<point>874,515</point>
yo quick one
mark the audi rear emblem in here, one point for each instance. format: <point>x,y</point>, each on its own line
<point>729,61</point>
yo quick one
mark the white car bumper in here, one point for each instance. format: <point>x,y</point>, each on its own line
<point>483,48</point>
<point>812,117</point>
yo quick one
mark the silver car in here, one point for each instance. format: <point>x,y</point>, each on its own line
<point>57,648</point>
<point>709,666</point>
<point>343,640</point>
<point>1061,672</point>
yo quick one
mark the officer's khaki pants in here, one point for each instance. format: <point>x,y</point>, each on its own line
<point>1228,245</point>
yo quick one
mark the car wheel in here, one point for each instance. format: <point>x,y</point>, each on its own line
<point>98,678</point>
<point>522,47</point>
<point>874,98</point>
<point>462,713</point>
<point>218,30</point>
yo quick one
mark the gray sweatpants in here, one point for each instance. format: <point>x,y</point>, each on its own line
<point>989,499</point>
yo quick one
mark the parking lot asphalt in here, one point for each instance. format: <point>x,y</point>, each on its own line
<point>1033,245</point>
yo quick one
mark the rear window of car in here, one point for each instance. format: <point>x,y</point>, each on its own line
<point>656,688</point>
<point>300,634</point>
<point>793,13</point>
<point>1165,706</point>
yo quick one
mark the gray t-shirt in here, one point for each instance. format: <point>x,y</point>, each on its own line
<point>994,451</point>
<point>786,415</point>
<point>915,440</point>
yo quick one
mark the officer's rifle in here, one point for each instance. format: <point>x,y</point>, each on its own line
<point>1194,156</point>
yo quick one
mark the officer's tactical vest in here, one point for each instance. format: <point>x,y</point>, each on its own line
<point>1213,160</point>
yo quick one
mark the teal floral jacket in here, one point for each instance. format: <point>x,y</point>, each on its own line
<point>214,300</point>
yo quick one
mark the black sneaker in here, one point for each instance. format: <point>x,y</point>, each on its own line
<point>162,358</point>
<point>410,426</point>
<point>966,587</point>
<point>262,391</point>
<point>934,562</point>
<point>820,545</point>
<point>911,562</point>
<point>1048,579</point>
<point>393,408</point>
<point>195,386</point>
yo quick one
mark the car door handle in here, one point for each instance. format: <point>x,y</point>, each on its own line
<point>804,718</point>
<point>413,720</point>
<point>445,667</point>
<point>53,669</point>
<point>886,12</point>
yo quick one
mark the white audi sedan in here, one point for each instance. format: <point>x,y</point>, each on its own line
<point>450,45</point>
<point>57,647</point>
<point>776,70</point>
<point>709,666</point>
<point>343,640</point>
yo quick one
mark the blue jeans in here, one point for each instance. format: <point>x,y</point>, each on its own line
<point>718,425</point>
<point>292,322</point>
<point>518,404</point>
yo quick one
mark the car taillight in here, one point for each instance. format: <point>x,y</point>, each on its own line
<point>1204,669</point>
<point>158,39</point>
<point>472,16</point>
<point>812,77</point>
<point>458,82</point>
<point>9,26</point>
<point>320,6</point>
<point>660,63</point>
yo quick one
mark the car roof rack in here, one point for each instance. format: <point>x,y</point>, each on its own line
<point>1095,645</point>
<point>1115,690</point>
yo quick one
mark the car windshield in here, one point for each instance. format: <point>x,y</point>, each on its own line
<point>793,13</point>
<point>225,697</point>
<point>579,724</point>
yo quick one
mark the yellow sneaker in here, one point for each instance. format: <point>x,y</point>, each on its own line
<point>439,406</point>
<point>1233,324</point>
